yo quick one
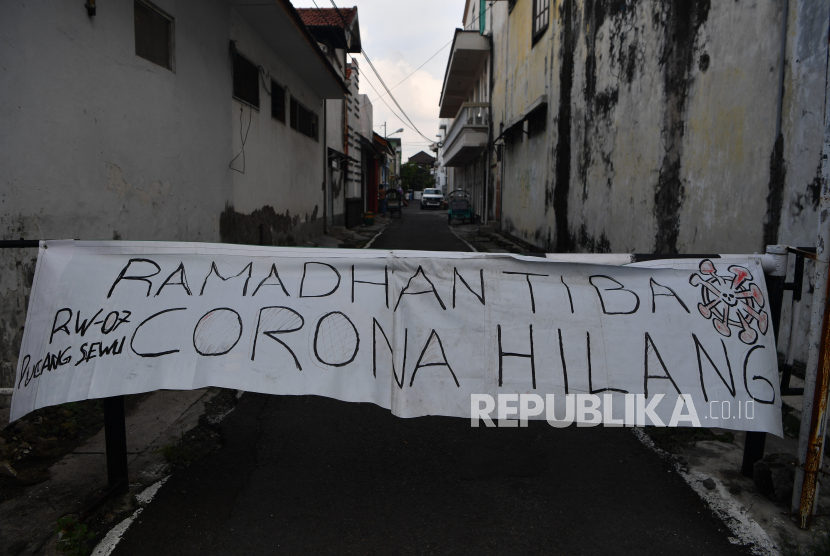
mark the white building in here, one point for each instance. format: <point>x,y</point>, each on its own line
<point>156,121</point>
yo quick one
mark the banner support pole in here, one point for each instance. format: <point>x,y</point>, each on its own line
<point>115,434</point>
<point>754,441</point>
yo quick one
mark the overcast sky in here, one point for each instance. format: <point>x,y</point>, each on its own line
<point>398,37</point>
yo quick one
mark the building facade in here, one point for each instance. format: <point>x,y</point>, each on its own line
<point>642,126</point>
<point>157,121</point>
<point>337,32</point>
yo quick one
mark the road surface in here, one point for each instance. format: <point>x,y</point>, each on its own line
<point>310,475</point>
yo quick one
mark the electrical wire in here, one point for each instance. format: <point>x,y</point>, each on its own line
<point>322,13</point>
<point>439,51</point>
<point>374,70</point>
<point>245,138</point>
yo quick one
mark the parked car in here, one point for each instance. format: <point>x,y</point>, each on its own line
<point>431,198</point>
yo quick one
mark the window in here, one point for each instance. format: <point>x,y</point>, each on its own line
<point>153,34</point>
<point>277,101</point>
<point>536,121</point>
<point>482,16</point>
<point>245,80</point>
<point>541,15</point>
<point>303,119</point>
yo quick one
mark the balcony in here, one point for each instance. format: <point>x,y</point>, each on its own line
<point>467,137</point>
<point>464,67</point>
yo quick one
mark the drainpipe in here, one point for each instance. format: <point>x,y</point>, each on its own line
<point>817,379</point>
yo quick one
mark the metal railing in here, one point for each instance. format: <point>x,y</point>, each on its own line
<point>475,114</point>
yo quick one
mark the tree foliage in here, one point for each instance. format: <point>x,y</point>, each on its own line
<point>416,177</point>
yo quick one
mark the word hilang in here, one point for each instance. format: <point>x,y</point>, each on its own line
<point>418,333</point>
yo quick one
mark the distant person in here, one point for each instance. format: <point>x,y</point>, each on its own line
<point>382,199</point>
<point>400,192</point>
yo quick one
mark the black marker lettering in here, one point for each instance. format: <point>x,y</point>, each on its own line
<point>333,341</point>
<point>590,374</point>
<point>24,371</point>
<point>144,278</point>
<point>83,356</point>
<point>455,275</point>
<point>217,332</point>
<point>375,327</point>
<point>570,299</point>
<point>431,285</point>
<point>757,377</point>
<point>334,289</point>
<point>82,327</point>
<point>182,280</point>
<point>673,294</point>
<point>213,270</point>
<point>649,342</point>
<point>503,354</point>
<point>385,284</point>
<point>62,326</point>
<point>276,276</point>
<point>621,288</point>
<point>527,276</point>
<point>443,363</point>
<point>278,320</point>
<point>562,357</point>
<point>145,321</point>
<point>699,348</point>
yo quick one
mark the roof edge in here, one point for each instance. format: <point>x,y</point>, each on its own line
<point>289,9</point>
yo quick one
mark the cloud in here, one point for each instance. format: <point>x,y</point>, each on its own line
<point>399,37</point>
<point>418,96</point>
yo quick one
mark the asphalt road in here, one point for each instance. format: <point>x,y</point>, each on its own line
<point>424,230</point>
<point>310,475</point>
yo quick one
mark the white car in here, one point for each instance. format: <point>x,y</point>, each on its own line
<point>431,198</point>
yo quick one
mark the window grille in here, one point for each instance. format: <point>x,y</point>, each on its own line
<point>541,16</point>
<point>303,120</point>
<point>245,80</point>
<point>277,101</point>
<point>153,34</point>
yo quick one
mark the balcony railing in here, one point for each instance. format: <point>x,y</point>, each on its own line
<point>471,114</point>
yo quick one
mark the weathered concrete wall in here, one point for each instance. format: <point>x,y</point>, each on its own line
<point>522,75</point>
<point>661,125</point>
<point>99,143</point>
<point>802,129</point>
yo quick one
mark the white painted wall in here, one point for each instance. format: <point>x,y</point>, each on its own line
<point>99,143</point>
<point>283,167</point>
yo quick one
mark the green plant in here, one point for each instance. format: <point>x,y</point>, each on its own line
<point>73,536</point>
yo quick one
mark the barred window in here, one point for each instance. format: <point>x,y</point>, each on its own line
<point>536,121</point>
<point>303,119</point>
<point>153,34</point>
<point>277,101</point>
<point>245,80</point>
<point>541,15</point>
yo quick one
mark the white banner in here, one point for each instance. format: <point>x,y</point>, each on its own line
<point>421,333</point>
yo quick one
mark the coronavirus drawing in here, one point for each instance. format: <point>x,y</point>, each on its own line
<point>731,301</point>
